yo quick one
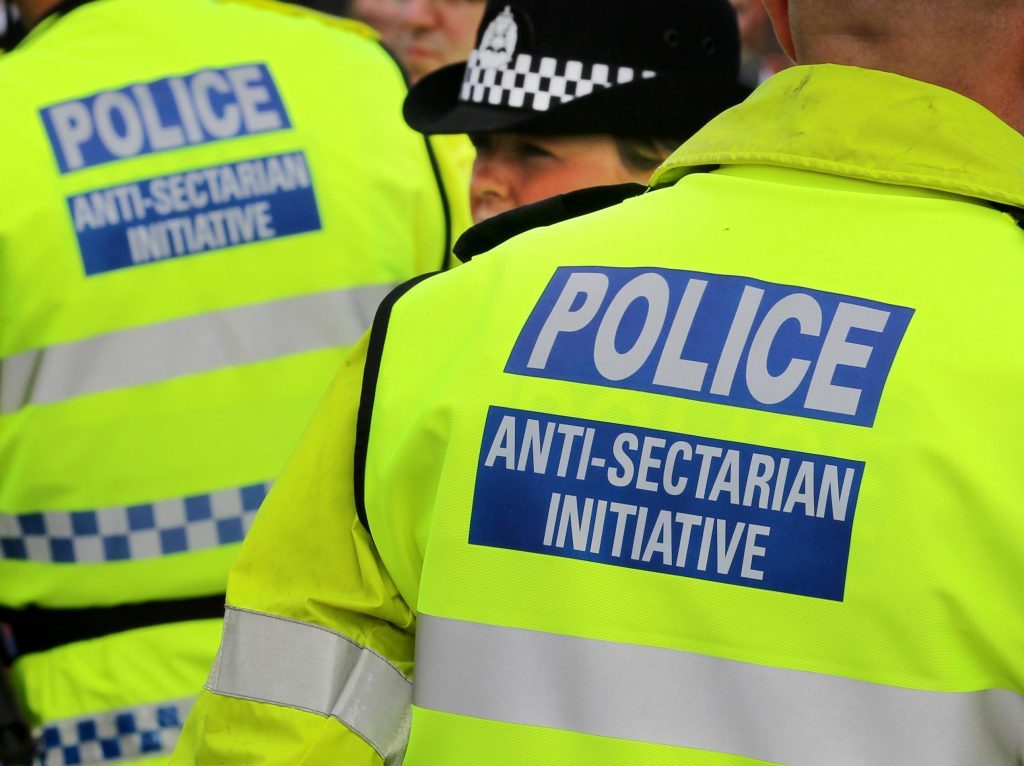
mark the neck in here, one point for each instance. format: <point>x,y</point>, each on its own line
<point>988,74</point>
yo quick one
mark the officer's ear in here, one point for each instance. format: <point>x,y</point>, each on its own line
<point>779,12</point>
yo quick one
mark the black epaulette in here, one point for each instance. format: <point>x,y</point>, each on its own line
<point>488,234</point>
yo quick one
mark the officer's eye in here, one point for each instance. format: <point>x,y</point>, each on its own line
<point>530,150</point>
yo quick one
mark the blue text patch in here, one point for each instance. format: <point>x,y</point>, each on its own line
<point>211,105</point>
<point>665,502</point>
<point>194,212</point>
<point>714,338</point>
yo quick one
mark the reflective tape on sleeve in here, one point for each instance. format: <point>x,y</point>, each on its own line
<point>154,353</point>
<point>133,532</point>
<point>115,736</point>
<point>299,665</point>
<point>669,697</point>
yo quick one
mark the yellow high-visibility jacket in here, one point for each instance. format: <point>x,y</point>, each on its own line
<point>201,205</point>
<point>725,474</point>
<point>455,156</point>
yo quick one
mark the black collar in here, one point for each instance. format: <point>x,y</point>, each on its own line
<point>488,234</point>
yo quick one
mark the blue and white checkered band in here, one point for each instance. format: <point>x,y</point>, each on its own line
<point>132,532</point>
<point>119,735</point>
<point>528,82</point>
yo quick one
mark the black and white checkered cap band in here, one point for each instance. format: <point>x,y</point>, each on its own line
<point>538,83</point>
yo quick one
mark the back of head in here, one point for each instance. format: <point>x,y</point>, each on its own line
<point>971,46</point>
<point>961,26</point>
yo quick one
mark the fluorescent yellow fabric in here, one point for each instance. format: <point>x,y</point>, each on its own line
<point>478,742</point>
<point>455,156</point>
<point>380,221</point>
<point>102,673</point>
<point>934,592</point>
<point>846,142</point>
<point>273,735</point>
<point>368,609</point>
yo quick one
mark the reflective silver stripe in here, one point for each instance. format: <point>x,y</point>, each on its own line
<point>187,346</point>
<point>115,736</point>
<point>304,666</point>
<point>663,696</point>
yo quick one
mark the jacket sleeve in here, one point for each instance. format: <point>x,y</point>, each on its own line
<point>317,649</point>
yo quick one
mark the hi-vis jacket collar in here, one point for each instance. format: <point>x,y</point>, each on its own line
<point>915,134</point>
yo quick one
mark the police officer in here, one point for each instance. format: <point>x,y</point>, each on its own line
<point>538,135</point>
<point>201,204</point>
<point>723,474</point>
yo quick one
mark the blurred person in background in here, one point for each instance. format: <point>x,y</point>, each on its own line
<point>386,16</point>
<point>438,29</point>
<point>204,204</point>
<point>424,34</point>
<point>762,54</point>
<point>436,33</point>
<point>550,109</point>
<point>11,28</point>
<point>433,34</point>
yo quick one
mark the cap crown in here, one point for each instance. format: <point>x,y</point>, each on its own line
<point>698,36</point>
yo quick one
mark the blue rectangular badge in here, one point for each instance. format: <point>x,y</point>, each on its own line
<point>158,116</point>
<point>194,212</point>
<point>713,338</point>
<point>665,502</point>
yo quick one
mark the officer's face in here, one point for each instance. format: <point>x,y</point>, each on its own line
<point>437,33</point>
<point>512,169</point>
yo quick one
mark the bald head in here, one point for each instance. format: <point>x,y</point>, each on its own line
<point>975,47</point>
<point>957,21</point>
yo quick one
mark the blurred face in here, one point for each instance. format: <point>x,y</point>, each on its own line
<point>386,16</point>
<point>513,169</point>
<point>752,19</point>
<point>437,33</point>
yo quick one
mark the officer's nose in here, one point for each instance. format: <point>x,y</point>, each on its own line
<point>492,188</point>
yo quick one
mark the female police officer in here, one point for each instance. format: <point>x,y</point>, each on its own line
<point>561,96</point>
